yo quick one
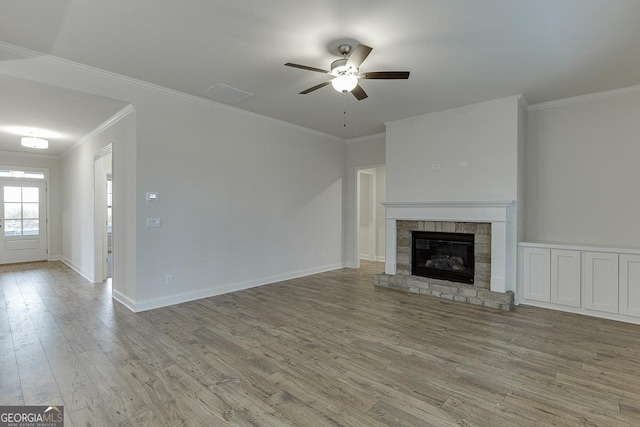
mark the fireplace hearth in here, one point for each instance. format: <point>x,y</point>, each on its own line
<point>446,256</point>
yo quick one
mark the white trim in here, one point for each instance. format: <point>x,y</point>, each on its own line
<point>56,257</point>
<point>480,211</point>
<point>47,187</point>
<point>107,149</point>
<point>366,138</point>
<point>501,215</point>
<point>582,311</point>
<point>453,203</point>
<point>352,265</point>
<point>27,154</point>
<point>78,270</point>
<point>380,258</point>
<point>99,212</point>
<point>522,101</point>
<point>372,238</point>
<point>123,299</point>
<point>150,304</point>
<point>44,171</point>
<point>28,53</point>
<point>584,98</point>
<point>101,128</point>
<point>580,247</point>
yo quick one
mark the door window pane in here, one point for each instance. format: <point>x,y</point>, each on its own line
<point>30,194</point>
<point>13,227</point>
<point>13,194</point>
<point>30,210</point>
<point>12,211</point>
<point>30,227</point>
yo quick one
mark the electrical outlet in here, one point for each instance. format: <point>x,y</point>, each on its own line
<point>168,279</point>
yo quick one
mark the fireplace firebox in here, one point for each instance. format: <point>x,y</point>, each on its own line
<point>448,256</point>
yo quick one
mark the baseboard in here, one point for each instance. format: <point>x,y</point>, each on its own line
<point>150,304</point>
<point>78,270</point>
<point>582,311</point>
<point>124,300</point>
<point>352,265</point>
<point>55,258</point>
<point>365,257</point>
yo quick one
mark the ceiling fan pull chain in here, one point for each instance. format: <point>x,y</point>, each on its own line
<point>344,109</point>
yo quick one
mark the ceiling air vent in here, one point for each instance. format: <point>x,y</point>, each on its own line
<point>226,94</point>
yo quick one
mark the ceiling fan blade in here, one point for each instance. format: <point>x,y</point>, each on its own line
<point>385,75</point>
<point>359,93</point>
<point>358,55</point>
<point>316,87</point>
<point>306,67</point>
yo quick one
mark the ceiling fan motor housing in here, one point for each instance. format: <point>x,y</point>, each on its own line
<point>339,67</point>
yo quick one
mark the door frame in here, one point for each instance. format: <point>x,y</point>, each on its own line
<point>359,170</point>
<point>372,212</point>
<point>46,173</point>
<point>100,212</point>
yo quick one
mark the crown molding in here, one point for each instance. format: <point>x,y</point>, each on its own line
<point>366,138</point>
<point>584,98</point>
<point>98,72</point>
<point>27,154</point>
<point>522,101</point>
<point>101,128</point>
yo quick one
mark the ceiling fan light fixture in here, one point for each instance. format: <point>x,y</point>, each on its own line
<point>345,83</point>
<point>32,142</point>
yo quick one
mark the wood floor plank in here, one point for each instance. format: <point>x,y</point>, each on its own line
<point>205,404</point>
<point>329,349</point>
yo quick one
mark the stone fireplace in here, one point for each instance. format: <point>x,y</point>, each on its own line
<point>468,254</point>
<point>454,251</point>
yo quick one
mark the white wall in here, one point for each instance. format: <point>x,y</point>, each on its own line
<point>78,201</point>
<point>582,171</point>
<point>522,139</point>
<point>484,135</point>
<point>244,200</point>
<point>55,192</point>
<point>362,153</point>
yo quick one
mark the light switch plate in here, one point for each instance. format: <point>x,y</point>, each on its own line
<point>153,222</point>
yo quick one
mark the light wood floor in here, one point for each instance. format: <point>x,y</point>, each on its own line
<point>323,350</point>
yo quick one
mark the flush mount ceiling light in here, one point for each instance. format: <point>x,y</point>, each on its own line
<point>32,142</point>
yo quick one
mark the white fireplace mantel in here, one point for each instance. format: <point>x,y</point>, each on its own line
<point>501,215</point>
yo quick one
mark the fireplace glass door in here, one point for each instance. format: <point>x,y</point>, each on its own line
<point>447,256</point>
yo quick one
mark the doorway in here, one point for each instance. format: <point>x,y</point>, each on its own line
<point>109,226</point>
<point>23,216</point>
<point>370,227</point>
<point>103,208</point>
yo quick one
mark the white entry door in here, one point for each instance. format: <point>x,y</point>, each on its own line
<point>23,235</point>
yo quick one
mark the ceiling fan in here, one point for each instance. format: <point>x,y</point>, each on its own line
<point>346,71</point>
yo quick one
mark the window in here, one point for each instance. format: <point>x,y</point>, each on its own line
<point>6,173</point>
<point>21,211</point>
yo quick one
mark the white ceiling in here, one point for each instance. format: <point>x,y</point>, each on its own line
<point>61,116</point>
<point>458,51</point>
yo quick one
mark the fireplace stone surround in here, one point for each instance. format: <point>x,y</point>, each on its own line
<point>492,223</point>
